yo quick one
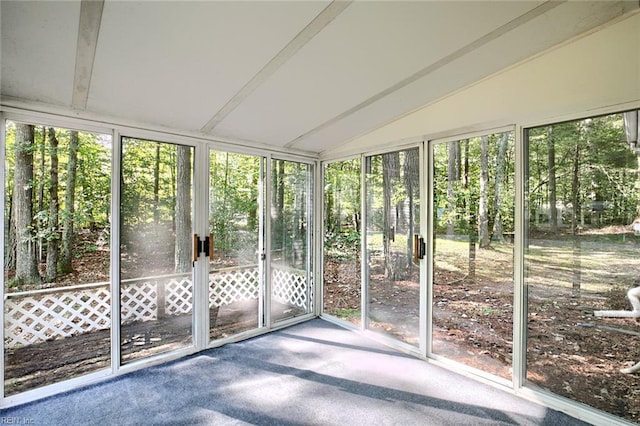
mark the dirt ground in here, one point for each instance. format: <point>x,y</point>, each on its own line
<point>569,351</point>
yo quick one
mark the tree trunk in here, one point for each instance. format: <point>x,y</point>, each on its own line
<point>26,263</point>
<point>183,210</point>
<point>471,214</point>
<point>390,167</point>
<point>412,187</point>
<point>43,179</point>
<point>53,234</point>
<point>575,201</point>
<point>553,208</point>
<point>453,175</point>
<point>10,244</point>
<point>68,217</point>
<point>156,186</point>
<point>499,185</point>
<point>483,205</point>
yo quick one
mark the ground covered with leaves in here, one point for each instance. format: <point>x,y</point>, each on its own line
<point>569,351</point>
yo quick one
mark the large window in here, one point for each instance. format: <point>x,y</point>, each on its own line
<point>392,190</point>
<point>291,219</point>
<point>342,260</point>
<point>473,207</point>
<point>156,282</point>
<point>57,299</point>
<point>581,261</point>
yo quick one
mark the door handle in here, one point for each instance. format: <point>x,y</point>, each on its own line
<point>419,248</point>
<point>205,246</point>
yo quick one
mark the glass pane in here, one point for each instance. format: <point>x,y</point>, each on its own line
<point>56,268</point>
<point>291,256</point>
<point>581,257</point>
<point>393,197</point>
<point>473,205</point>
<point>156,285</point>
<point>342,240</point>
<point>235,274</point>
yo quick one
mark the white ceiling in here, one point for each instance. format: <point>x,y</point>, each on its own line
<point>298,75</point>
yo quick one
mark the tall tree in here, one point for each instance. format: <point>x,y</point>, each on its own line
<point>68,216</point>
<point>53,232</point>
<point>156,187</point>
<point>551,156</point>
<point>390,173</point>
<point>412,188</point>
<point>453,175</point>
<point>499,186</point>
<point>469,208</point>
<point>183,210</point>
<point>576,207</point>
<point>26,262</point>
<point>42,178</point>
<point>483,206</point>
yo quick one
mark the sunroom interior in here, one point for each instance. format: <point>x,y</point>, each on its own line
<point>459,181</point>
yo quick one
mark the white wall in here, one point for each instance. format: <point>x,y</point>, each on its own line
<point>599,70</point>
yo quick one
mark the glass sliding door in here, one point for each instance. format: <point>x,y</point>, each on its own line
<point>291,255</point>
<point>582,241</point>
<point>473,208</point>
<point>57,297</point>
<point>342,246</point>
<point>392,219</point>
<point>156,279</point>
<point>235,220</point>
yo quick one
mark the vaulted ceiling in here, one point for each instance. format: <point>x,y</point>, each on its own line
<point>297,75</point>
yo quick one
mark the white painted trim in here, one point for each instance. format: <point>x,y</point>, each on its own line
<point>318,237</point>
<point>3,179</point>
<point>520,320</point>
<point>425,306</point>
<point>88,30</point>
<point>57,388</point>
<point>114,232</point>
<point>267,242</point>
<point>364,264</point>
<point>262,242</point>
<point>40,119</point>
<point>473,134</point>
<point>85,120</point>
<point>200,205</point>
<point>589,113</point>
<point>429,176</point>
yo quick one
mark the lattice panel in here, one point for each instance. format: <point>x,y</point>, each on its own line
<point>233,286</point>
<point>32,318</point>
<point>139,302</point>
<point>289,287</point>
<point>38,318</point>
<point>179,296</point>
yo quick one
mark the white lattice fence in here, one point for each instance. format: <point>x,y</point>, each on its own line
<point>229,286</point>
<point>138,302</point>
<point>40,315</point>
<point>178,296</point>
<point>47,314</point>
<point>289,286</point>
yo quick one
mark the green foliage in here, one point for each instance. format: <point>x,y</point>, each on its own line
<point>234,186</point>
<point>456,200</point>
<point>342,185</point>
<point>606,173</point>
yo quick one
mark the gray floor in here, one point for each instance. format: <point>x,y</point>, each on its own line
<point>312,373</point>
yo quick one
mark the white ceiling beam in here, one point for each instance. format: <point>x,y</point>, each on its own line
<point>323,19</point>
<point>498,32</point>
<point>88,29</point>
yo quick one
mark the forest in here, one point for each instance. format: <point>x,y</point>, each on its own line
<point>57,190</point>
